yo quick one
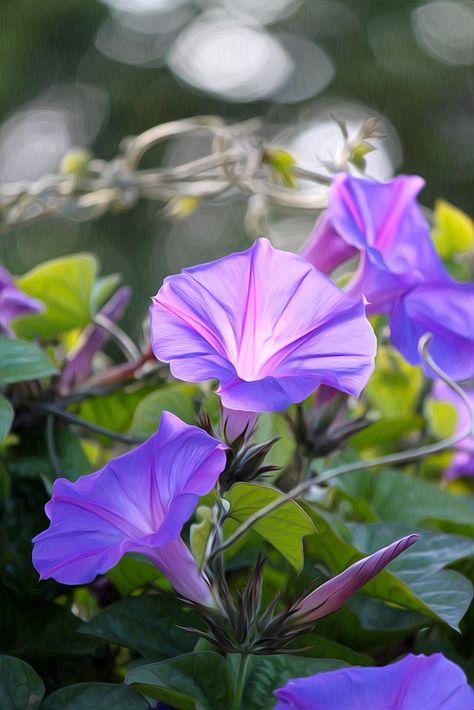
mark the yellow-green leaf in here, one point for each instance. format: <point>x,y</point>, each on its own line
<point>454,230</point>
<point>177,399</point>
<point>395,385</point>
<point>284,527</point>
<point>21,361</point>
<point>65,286</point>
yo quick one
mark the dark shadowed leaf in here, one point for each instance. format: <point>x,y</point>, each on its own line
<point>148,624</point>
<point>95,696</point>
<point>21,688</point>
<point>395,497</point>
<point>198,681</point>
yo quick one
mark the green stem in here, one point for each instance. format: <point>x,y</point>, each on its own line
<point>240,682</point>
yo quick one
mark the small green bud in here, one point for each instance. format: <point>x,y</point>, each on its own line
<point>75,162</point>
<point>181,207</point>
<point>281,163</point>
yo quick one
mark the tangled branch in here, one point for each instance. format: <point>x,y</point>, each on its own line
<point>239,159</point>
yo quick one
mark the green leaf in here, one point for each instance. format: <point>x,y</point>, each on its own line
<point>113,410</point>
<point>21,361</point>
<point>393,496</point>
<point>386,621</point>
<point>21,688</point>
<point>65,286</point>
<point>268,673</point>
<point>454,230</point>
<point>177,399</point>
<point>446,592</point>
<point>6,418</point>
<point>284,528</point>
<point>442,418</point>
<point>198,681</point>
<point>148,624</point>
<point>132,573</point>
<point>95,696</point>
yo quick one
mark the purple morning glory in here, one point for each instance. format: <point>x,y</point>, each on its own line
<point>444,308</point>
<point>138,502</point>
<point>414,683</point>
<point>79,364</point>
<point>13,302</point>
<point>462,463</point>
<point>386,225</point>
<point>266,324</point>
<point>331,595</point>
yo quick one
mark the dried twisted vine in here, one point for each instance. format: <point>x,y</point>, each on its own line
<point>86,188</point>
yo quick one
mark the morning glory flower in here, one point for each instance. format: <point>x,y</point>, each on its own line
<point>444,308</point>
<point>79,363</point>
<point>414,683</point>
<point>137,502</point>
<point>14,303</point>
<point>462,463</point>
<point>331,595</point>
<point>266,324</point>
<point>384,223</point>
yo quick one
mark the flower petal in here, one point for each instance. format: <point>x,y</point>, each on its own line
<point>414,683</point>
<point>179,566</point>
<point>325,249</point>
<point>386,224</point>
<point>446,310</point>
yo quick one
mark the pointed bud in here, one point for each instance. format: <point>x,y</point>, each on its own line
<point>333,594</point>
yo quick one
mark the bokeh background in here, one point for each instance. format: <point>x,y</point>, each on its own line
<point>88,73</point>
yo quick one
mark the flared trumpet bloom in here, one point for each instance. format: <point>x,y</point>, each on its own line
<point>399,271</point>
<point>331,595</point>
<point>462,463</point>
<point>414,683</point>
<point>384,223</point>
<point>14,303</point>
<point>137,502</point>
<point>266,324</point>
